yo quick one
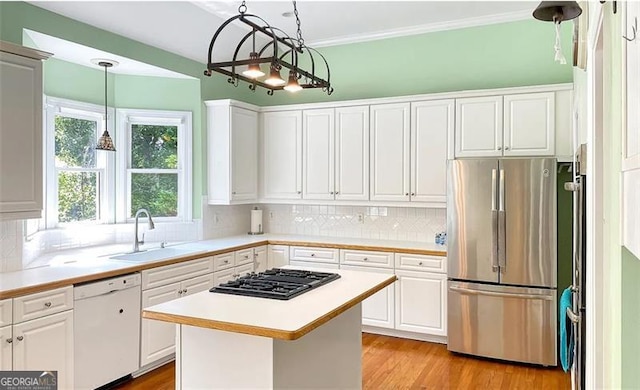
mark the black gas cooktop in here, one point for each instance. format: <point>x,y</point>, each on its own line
<point>276,283</point>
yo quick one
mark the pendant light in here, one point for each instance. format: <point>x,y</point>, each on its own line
<point>557,12</point>
<point>274,77</point>
<point>292,85</point>
<point>105,142</point>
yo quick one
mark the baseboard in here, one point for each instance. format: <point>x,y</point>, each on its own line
<point>152,366</point>
<point>404,334</point>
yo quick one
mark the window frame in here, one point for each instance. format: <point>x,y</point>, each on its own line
<point>105,162</point>
<point>184,121</point>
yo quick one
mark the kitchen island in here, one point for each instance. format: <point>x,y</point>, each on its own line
<point>311,341</point>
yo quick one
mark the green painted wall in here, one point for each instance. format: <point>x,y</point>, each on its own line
<point>501,55</point>
<point>66,80</point>
<point>630,320</point>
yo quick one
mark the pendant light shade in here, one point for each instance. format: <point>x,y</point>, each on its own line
<point>253,70</point>
<point>557,11</point>
<point>274,77</point>
<point>292,85</point>
<point>105,142</point>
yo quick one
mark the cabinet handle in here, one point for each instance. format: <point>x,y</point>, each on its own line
<point>233,193</point>
<point>499,147</point>
<point>9,341</point>
<point>20,338</point>
<point>313,255</point>
<point>506,148</point>
<point>413,194</point>
<point>226,261</point>
<point>366,259</point>
<point>331,193</point>
<point>420,263</point>
<point>179,292</point>
<point>47,304</point>
<point>246,256</point>
<point>299,192</point>
<point>184,291</point>
<point>407,194</point>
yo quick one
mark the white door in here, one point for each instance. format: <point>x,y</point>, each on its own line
<point>431,122</point>
<point>277,256</point>
<point>529,124</point>
<point>390,133</point>
<point>282,155</point>
<point>479,127</point>
<point>46,344</point>
<point>157,338</point>
<point>21,134</point>
<point>378,309</point>
<point>196,285</point>
<point>260,258</point>
<point>352,153</point>
<point>244,154</point>
<point>318,154</point>
<point>421,302</point>
<point>6,346</point>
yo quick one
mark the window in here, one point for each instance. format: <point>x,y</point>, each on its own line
<point>77,178</point>
<point>157,164</point>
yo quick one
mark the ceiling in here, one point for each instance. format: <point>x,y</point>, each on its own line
<point>186,28</point>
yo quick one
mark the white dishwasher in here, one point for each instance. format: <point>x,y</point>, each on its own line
<point>107,330</point>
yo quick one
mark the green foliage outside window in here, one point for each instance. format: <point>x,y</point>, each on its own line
<point>75,142</point>
<point>154,147</point>
<point>77,196</point>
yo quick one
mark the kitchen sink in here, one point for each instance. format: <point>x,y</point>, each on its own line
<point>154,255</point>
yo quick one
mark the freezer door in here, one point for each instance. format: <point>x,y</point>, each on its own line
<point>472,220</point>
<point>527,222</point>
<point>508,323</point>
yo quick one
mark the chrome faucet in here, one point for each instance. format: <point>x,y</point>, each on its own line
<point>136,243</point>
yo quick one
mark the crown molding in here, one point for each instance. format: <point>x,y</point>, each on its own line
<point>425,28</point>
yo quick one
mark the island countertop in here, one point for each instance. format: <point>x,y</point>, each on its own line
<point>285,320</point>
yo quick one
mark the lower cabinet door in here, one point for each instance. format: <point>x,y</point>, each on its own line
<point>6,343</point>
<point>157,338</point>
<point>197,284</point>
<point>224,276</point>
<point>378,309</point>
<point>277,256</point>
<point>46,344</point>
<point>421,302</point>
<point>244,270</point>
<point>260,258</point>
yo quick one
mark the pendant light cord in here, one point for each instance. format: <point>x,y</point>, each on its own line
<point>105,98</point>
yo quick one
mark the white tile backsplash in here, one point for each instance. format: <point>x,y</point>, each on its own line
<point>10,245</point>
<point>383,223</point>
<point>221,221</point>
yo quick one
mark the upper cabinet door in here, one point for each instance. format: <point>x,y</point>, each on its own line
<point>282,155</point>
<point>352,153</point>
<point>479,127</point>
<point>431,122</point>
<point>21,134</point>
<point>529,124</point>
<point>318,154</point>
<point>244,154</point>
<point>390,133</point>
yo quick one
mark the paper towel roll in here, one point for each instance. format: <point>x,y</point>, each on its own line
<point>256,221</point>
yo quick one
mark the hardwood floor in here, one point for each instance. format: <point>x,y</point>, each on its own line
<point>394,363</point>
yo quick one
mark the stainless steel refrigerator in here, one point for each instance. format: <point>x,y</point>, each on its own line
<point>501,259</point>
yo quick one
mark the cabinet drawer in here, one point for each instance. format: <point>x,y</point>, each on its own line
<point>224,261</point>
<point>176,272</point>
<point>197,284</point>
<point>224,276</point>
<point>6,312</point>
<point>243,270</point>
<point>317,255</point>
<point>41,304</point>
<point>421,263</point>
<point>367,259</point>
<point>244,256</point>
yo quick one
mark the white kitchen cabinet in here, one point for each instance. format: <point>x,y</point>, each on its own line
<point>46,343</point>
<point>431,123</point>
<point>277,256</point>
<point>282,155</point>
<point>631,132</point>
<point>6,312</point>
<point>224,276</point>
<point>529,124</point>
<point>260,258</point>
<point>479,127</point>
<point>421,302</point>
<point>352,153</point>
<point>378,309</point>
<point>21,177</point>
<point>318,154</point>
<point>314,254</point>
<point>232,137</point>
<point>158,338</point>
<point>6,348</point>
<point>390,152</point>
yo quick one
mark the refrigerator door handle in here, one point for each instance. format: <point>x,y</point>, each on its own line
<point>494,222</point>
<point>502,227</point>
<point>497,294</point>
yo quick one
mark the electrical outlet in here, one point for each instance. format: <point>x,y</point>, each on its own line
<point>360,217</point>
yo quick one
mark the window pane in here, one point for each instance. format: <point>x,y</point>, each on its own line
<point>75,142</point>
<point>154,146</point>
<point>77,194</point>
<point>157,193</point>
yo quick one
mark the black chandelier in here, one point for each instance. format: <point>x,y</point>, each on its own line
<point>280,52</point>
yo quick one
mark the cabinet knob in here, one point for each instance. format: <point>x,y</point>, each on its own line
<point>233,193</point>
<point>499,147</point>
<point>246,256</point>
<point>179,292</point>
<point>9,341</point>
<point>413,194</point>
<point>366,259</point>
<point>47,304</point>
<point>184,291</point>
<point>226,261</point>
<point>407,194</point>
<point>313,255</point>
<point>299,192</point>
<point>337,192</point>
<point>506,148</point>
<point>331,193</point>
<point>420,263</point>
<point>20,338</point>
